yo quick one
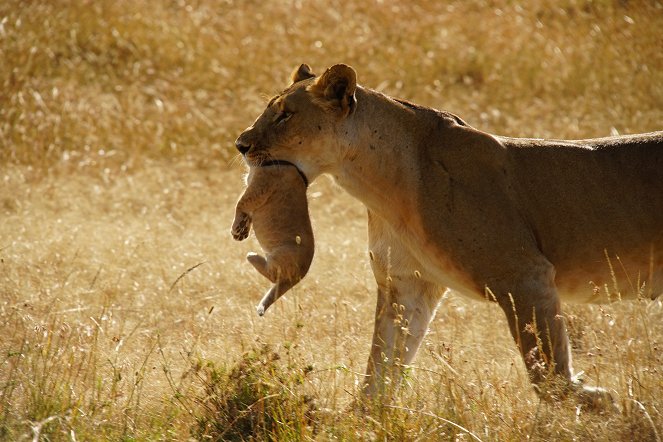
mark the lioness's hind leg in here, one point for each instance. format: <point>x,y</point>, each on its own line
<point>536,323</point>
<point>538,328</point>
<point>655,289</point>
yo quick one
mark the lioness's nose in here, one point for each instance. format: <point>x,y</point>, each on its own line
<point>242,146</point>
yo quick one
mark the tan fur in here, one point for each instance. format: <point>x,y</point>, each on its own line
<point>275,203</point>
<point>520,221</point>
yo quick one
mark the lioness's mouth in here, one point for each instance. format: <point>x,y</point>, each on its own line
<point>256,159</point>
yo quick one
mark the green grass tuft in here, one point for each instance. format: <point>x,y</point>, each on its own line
<point>258,398</point>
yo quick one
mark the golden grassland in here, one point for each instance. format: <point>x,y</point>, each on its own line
<point>127,311</point>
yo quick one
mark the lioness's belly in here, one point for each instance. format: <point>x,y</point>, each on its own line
<point>609,277</point>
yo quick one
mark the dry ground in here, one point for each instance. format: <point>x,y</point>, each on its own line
<point>124,303</point>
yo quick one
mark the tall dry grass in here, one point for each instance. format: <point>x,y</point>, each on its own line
<point>126,310</point>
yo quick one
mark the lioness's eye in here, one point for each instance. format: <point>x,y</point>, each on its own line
<point>282,117</point>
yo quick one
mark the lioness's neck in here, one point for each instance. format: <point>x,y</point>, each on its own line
<point>380,143</point>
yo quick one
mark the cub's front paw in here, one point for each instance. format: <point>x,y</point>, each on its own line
<point>241,227</point>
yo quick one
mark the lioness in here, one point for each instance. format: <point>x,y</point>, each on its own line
<point>523,222</point>
<point>275,202</point>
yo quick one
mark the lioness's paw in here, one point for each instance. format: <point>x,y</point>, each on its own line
<point>241,227</point>
<point>596,399</point>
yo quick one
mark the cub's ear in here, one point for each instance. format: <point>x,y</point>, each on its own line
<point>335,89</point>
<point>303,72</point>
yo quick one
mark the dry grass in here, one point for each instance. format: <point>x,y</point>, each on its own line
<point>124,301</point>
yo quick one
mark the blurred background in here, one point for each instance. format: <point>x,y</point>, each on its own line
<point>173,78</point>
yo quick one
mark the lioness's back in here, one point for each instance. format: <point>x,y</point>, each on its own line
<point>588,198</point>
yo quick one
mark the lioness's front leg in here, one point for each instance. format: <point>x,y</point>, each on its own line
<point>405,306</point>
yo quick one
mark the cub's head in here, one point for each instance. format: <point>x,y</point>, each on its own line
<point>303,124</point>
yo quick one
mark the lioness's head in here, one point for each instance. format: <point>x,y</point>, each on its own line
<point>304,123</point>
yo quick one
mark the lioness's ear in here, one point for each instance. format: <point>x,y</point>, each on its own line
<point>303,72</point>
<point>336,88</point>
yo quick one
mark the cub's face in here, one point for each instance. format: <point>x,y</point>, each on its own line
<point>301,124</point>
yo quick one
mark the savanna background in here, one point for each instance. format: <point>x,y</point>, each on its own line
<point>127,310</point>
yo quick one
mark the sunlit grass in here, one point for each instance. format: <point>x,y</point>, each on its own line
<point>125,305</point>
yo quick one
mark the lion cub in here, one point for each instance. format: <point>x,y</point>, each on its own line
<point>275,201</point>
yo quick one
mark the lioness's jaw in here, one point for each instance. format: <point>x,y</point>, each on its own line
<point>335,89</point>
<point>303,72</point>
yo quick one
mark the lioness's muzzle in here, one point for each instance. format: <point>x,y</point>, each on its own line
<point>242,146</point>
